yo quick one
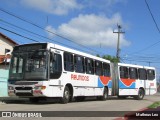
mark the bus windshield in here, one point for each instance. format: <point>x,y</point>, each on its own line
<point>29,65</point>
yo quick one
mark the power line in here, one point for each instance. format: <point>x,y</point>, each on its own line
<point>136,60</point>
<point>27,21</point>
<point>27,30</point>
<point>18,34</point>
<point>156,27</point>
<point>143,57</point>
<point>152,16</point>
<point>17,40</point>
<point>147,56</point>
<point>145,48</point>
<point>35,33</point>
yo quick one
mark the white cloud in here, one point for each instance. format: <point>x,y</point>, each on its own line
<point>58,7</point>
<point>105,5</point>
<point>92,30</point>
<point>50,30</point>
<point>112,2</point>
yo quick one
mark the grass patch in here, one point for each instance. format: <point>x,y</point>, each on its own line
<point>155,105</point>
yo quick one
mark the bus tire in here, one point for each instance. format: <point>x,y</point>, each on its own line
<point>140,94</point>
<point>66,96</point>
<point>105,95</point>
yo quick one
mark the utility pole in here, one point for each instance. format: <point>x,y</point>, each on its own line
<point>149,63</point>
<point>118,42</point>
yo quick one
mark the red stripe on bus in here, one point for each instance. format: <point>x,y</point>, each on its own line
<point>128,82</point>
<point>105,79</point>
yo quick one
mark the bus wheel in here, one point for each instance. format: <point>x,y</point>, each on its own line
<point>140,94</point>
<point>34,100</point>
<point>105,95</point>
<point>66,96</point>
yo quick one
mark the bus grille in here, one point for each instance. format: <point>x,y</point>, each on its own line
<point>23,88</point>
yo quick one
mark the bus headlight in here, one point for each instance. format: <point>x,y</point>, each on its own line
<point>10,88</point>
<point>40,87</point>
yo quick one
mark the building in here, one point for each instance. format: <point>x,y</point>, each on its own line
<point>6,47</point>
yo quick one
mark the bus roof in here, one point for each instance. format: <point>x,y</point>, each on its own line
<point>70,50</point>
<point>62,48</point>
<point>137,66</point>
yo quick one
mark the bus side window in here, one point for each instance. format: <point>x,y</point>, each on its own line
<point>123,72</point>
<point>151,74</point>
<point>79,64</point>
<point>56,67</point>
<point>68,62</point>
<point>89,66</point>
<point>133,73</point>
<point>142,74</point>
<point>106,69</point>
<point>98,68</point>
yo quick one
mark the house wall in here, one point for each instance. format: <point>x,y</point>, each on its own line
<point>3,83</point>
<point>5,44</point>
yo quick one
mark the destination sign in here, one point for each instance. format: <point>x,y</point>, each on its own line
<point>30,47</point>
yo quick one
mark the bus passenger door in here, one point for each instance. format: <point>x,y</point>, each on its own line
<point>55,71</point>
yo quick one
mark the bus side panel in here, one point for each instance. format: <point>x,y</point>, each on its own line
<point>127,86</point>
<point>78,91</point>
<point>98,91</point>
<point>87,85</point>
<point>53,89</point>
<point>150,87</point>
<point>86,91</point>
<point>83,84</point>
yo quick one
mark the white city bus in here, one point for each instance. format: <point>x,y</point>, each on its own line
<point>47,70</point>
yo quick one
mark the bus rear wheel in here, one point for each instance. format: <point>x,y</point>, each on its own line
<point>66,96</point>
<point>105,95</point>
<point>140,95</point>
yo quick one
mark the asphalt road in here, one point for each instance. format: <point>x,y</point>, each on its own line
<point>113,104</point>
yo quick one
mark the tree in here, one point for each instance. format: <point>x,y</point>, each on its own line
<point>98,55</point>
<point>111,58</point>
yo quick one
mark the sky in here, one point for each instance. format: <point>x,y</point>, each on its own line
<point>87,25</point>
